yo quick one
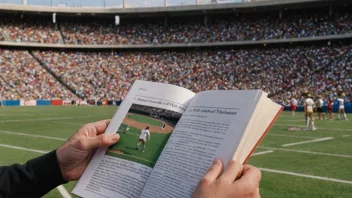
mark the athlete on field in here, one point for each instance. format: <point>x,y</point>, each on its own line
<point>143,138</point>
<point>329,109</point>
<point>319,104</point>
<point>341,110</point>
<point>293,105</point>
<point>308,110</point>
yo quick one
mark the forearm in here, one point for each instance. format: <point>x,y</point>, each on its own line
<point>33,179</point>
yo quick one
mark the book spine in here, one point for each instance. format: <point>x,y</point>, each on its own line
<point>266,131</point>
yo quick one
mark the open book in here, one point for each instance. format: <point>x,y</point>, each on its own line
<point>169,136</point>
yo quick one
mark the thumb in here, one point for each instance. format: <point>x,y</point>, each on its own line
<point>98,141</point>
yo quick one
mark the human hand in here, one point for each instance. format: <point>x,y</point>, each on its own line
<point>215,185</point>
<point>74,155</point>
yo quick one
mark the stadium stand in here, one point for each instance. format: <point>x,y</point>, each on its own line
<point>109,75</point>
<point>23,75</point>
<point>29,29</point>
<point>94,74</point>
<point>156,111</point>
<point>6,92</point>
<point>191,29</point>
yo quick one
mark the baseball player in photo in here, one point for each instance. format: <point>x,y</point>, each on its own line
<point>143,138</point>
<point>126,130</point>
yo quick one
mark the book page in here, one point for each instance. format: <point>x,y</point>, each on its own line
<point>211,127</point>
<point>145,120</point>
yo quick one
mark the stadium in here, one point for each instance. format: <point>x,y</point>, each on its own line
<point>76,60</point>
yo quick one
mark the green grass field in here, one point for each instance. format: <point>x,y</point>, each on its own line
<point>128,142</point>
<point>316,168</point>
<point>145,119</point>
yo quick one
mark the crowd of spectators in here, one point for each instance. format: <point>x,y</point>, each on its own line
<point>282,72</point>
<point>293,25</point>
<point>329,82</point>
<point>217,29</point>
<point>156,112</point>
<point>6,92</point>
<point>186,29</point>
<point>23,78</point>
<point>1,37</point>
<point>29,29</point>
<point>92,75</point>
<point>332,81</point>
<point>88,33</point>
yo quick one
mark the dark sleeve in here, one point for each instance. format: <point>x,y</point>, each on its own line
<point>33,179</point>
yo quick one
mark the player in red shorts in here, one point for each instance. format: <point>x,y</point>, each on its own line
<point>329,109</point>
<point>293,105</point>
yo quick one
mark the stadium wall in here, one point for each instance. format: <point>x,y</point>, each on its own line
<point>348,108</point>
<point>43,102</point>
<point>10,103</point>
<point>28,102</point>
<point>57,102</point>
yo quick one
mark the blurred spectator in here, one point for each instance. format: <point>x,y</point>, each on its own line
<point>187,29</point>
<point>88,33</point>
<point>97,75</point>
<point>6,92</point>
<point>28,29</point>
<point>92,75</point>
<point>24,78</point>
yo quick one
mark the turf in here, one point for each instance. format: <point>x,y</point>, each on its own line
<point>145,119</point>
<point>63,121</point>
<point>128,142</point>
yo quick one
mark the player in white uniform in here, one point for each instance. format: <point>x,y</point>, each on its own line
<point>308,109</point>
<point>341,107</point>
<point>320,104</point>
<point>126,130</point>
<point>293,105</point>
<point>143,138</point>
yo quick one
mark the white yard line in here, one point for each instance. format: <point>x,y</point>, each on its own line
<point>306,176</point>
<point>63,192</point>
<point>262,153</point>
<point>32,135</point>
<point>43,119</point>
<point>346,135</point>
<point>319,128</point>
<point>60,188</point>
<point>8,115</point>
<point>71,123</point>
<point>309,141</point>
<point>308,152</point>
<point>293,136</point>
<point>21,148</point>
